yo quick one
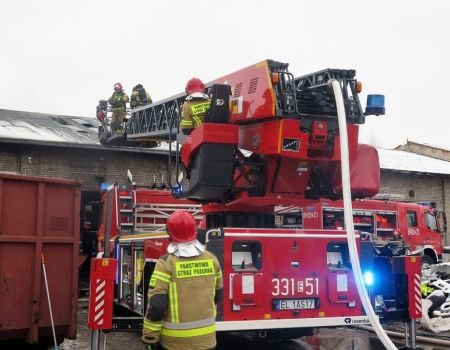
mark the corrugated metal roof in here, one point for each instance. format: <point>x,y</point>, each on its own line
<point>56,130</point>
<point>412,162</point>
<point>47,127</point>
<point>430,144</point>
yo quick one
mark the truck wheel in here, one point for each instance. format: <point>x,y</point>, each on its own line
<point>426,262</point>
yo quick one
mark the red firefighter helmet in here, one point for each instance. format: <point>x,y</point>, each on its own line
<point>181,227</point>
<point>118,86</point>
<point>194,85</point>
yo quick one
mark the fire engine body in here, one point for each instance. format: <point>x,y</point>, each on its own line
<point>276,278</point>
<point>138,210</point>
<point>129,216</point>
<point>396,227</point>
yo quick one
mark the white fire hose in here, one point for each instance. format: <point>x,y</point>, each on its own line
<point>348,219</point>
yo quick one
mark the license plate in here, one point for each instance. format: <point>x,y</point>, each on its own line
<point>294,304</point>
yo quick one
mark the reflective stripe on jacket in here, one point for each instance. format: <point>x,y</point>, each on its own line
<point>118,99</point>
<point>190,285</point>
<point>193,112</point>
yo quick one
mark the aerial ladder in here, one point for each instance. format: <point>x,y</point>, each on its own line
<point>280,119</point>
<point>271,139</point>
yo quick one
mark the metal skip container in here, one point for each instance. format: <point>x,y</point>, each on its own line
<point>39,218</point>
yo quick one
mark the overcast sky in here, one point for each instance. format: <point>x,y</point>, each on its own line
<point>61,57</point>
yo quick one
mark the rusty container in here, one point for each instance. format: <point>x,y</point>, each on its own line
<point>38,216</point>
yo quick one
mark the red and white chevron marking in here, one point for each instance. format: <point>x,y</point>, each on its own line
<point>99,305</point>
<point>417,295</point>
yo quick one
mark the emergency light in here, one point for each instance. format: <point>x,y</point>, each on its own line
<point>104,186</point>
<point>368,278</point>
<point>375,105</point>
<point>177,189</point>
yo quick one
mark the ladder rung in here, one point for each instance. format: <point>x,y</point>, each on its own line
<point>149,229</point>
<point>192,207</point>
<point>156,216</point>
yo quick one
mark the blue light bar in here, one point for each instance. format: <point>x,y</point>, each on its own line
<point>375,105</point>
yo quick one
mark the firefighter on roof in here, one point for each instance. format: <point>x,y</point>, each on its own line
<point>195,107</point>
<point>140,97</point>
<point>118,102</point>
<point>184,289</point>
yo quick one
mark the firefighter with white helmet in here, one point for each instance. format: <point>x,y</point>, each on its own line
<point>184,289</point>
<point>118,102</point>
<point>195,107</point>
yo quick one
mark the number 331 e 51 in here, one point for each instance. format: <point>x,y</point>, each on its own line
<point>291,286</point>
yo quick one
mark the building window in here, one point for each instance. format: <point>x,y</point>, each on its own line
<point>411,194</point>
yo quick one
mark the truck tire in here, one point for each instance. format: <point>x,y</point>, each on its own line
<point>426,262</point>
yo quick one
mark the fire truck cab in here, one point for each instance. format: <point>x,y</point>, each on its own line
<point>396,228</point>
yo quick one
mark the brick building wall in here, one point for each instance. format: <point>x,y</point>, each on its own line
<point>90,166</point>
<point>419,188</point>
<point>94,166</point>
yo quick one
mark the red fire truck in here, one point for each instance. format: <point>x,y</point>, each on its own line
<point>271,140</point>
<point>129,216</point>
<point>396,227</point>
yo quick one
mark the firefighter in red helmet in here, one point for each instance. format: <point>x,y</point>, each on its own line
<point>184,289</point>
<point>195,107</point>
<point>118,102</point>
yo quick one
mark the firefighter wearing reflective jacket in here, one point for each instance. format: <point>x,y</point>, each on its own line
<point>184,289</point>
<point>195,107</point>
<point>118,102</point>
<point>140,97</point>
